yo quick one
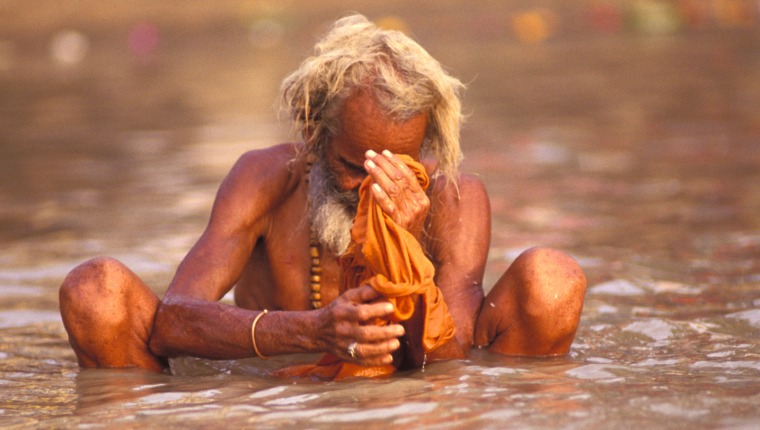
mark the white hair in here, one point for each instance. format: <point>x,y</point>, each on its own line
<point>403,77</point>
<point>331,211</point>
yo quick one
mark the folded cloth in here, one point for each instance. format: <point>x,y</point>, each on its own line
<point>391,260</point>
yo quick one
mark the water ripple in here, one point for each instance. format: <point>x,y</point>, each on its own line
<point>411,408</point>
<point>617,287</point>
<point>752,317</point>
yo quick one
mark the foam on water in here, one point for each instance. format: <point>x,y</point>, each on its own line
<point>751,317</point>
<point>617,287</point>
<point>655,329</point>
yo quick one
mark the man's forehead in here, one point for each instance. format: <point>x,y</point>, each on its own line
<point>365,125</point>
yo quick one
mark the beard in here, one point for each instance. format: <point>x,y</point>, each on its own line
<point>330,210</point>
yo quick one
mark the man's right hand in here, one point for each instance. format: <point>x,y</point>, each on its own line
<point>351,318</point>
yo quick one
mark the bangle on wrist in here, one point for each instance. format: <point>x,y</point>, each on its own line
<point>253,334</point>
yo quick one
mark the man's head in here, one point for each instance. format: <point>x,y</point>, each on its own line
<point>401,76</point>
<point>338,167</point>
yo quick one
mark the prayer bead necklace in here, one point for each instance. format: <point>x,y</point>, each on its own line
<point>315,270</point>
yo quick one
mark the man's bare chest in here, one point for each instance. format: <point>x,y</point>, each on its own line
<point>285,270</point>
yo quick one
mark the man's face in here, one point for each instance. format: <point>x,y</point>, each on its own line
<point>335,180</point>
<point>365,126</point>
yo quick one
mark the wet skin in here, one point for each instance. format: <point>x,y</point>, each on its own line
<point>257,242</point>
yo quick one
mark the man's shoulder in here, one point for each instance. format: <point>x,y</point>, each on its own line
<point>464,186</point>
<point>459,220</point>
<point>258,182</point>
<point>274,157</point>
<point>464,198</point>
<point>260,166</point>
<point>267,174</point>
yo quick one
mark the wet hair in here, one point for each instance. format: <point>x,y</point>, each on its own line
<point>404,79</point>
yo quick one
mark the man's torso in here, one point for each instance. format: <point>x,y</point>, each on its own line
<point>277,275</point>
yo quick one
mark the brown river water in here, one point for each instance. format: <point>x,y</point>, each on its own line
<point>630,143</point>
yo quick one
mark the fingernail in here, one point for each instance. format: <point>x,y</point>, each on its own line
<point>387,153</point>
<point>371,164</point>
<point>376,188</point>
<point>371,154</point>
<point>388,306</point>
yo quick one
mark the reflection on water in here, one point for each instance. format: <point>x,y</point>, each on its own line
<point>630,144</point>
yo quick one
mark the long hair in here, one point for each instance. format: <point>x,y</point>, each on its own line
<point>403,77</point>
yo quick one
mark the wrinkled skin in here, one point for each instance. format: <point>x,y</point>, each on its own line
<point>257,242</point>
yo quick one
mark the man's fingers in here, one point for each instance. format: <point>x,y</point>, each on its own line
<point>392,174</point>
<point>374,333</point>
<point>404,172</point>
<point>369,331</point>
<point>376,353</point>
<point>365,305</point>
<point>379,171</point>
<point>362,294</point>
<point>397,190</point>
<point>370,312</point>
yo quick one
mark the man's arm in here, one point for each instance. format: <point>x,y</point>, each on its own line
<point>458,238</point>
<point>457,241</point>
<point>190,321</point>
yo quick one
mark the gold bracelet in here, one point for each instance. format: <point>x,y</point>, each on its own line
<point>253,334</point>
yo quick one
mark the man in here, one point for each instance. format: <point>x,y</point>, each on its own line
<point>283,215</point>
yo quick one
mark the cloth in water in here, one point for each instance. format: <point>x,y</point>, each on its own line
<point>391,260</point>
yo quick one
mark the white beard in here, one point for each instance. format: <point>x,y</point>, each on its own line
<point>330,210</point>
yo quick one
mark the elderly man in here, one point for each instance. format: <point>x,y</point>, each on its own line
<point>283,216</point>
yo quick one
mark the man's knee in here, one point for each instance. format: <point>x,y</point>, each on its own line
<point>92,289</point>
<point>108,313</point>
<point>92,278</point>
<point>536,305</point>
<point>551,283</point>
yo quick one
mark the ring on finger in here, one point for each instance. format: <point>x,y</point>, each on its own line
<point>352,349</point>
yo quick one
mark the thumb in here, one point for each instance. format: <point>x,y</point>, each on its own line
<point>362,294</point>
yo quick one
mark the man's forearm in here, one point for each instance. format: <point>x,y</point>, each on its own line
<point>223,332</point>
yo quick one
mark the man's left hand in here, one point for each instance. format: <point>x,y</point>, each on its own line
<point>397,191</point>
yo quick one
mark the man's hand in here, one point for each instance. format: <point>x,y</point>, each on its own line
<point>397,191</point>
<point>350,319</point>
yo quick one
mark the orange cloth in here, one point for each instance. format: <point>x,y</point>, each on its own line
<point>391,260</point>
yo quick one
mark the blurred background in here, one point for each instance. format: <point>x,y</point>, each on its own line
<point>118,118</point>
<point>96,98</point>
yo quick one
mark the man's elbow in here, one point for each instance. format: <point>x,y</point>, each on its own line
<point>161,335</point>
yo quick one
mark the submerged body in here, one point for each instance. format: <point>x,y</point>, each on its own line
<point>258,242</point>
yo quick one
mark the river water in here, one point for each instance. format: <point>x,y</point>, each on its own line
<point>636,152</point>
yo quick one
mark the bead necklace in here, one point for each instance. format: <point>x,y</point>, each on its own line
<point>315,270</point>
